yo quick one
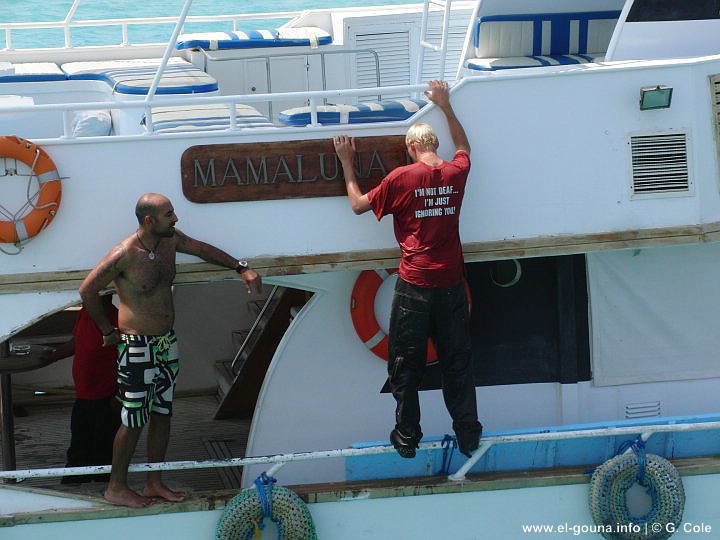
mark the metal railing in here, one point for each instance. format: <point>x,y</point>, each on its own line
<point>279,460</point>
<point>69,23</point>
<point>313,97</point>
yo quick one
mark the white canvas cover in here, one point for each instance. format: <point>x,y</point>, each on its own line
<point>655,314</point>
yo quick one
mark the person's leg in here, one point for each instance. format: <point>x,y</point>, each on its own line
<point>79,453</point>
<point>134,360</point>
<point>451,321</point>
<point>167,361</point>
<point>107,422</point>
<point>117,491</point>
<point>409,323</point>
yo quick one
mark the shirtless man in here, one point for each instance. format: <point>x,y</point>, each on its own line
<point>143,268</point>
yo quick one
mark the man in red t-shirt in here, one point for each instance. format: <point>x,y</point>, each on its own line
<point>96,412</point>
<point>424,199</point>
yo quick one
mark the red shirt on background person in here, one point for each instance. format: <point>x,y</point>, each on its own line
<point>94,367</point>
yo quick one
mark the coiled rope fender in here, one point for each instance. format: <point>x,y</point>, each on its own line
<point>43,205</point>
<point>611,481</point>
<point>243,516</point>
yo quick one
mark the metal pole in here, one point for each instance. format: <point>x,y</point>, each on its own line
<point>7,424</point>
<point>168,50</point>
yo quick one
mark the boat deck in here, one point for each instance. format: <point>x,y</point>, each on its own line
<point>42,438</point>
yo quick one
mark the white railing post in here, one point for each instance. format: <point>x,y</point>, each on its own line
<point>169,50</point>
<point>68,20</point>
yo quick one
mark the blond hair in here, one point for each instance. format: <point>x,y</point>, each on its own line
<point>423,136</point>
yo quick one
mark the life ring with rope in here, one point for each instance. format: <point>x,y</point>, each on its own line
<point>362,311</point>
<point>44,208</point>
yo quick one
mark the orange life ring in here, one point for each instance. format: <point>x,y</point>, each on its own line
<point>362,311</point>
<point>49,194</point>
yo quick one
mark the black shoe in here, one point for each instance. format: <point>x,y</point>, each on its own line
<point>469,441</point>
<point>405,446</point>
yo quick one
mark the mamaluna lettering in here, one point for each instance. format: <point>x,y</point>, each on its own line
<point>284,170</point>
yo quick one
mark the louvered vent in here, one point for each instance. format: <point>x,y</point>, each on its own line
<point>660,163</point>
<point>393,48</point>
<point>642,410</point>
<point>431,65</point>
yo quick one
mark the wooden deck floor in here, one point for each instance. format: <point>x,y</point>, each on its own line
<point>42,438</point>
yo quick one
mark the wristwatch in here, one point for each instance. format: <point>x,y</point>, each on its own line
<point>241,267</point>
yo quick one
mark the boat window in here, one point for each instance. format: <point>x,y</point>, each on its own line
<point>672,10</point>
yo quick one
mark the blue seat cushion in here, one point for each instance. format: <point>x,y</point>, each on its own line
<point>136,76</point>
<point>34,72</point>
<point>255,39</point>
<point>515,62</point>
<point>377,111</point>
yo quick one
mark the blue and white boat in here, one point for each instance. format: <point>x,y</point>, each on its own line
<point>590,227</point>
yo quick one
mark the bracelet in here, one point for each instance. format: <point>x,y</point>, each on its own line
<point>110,332</point>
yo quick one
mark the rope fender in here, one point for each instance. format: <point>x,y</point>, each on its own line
<point>243,517</point>
<point>611,481</point>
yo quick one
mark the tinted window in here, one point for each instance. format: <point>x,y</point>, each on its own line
<point>674,10</point>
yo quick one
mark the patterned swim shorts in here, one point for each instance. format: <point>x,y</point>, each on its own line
<point>147,369</point>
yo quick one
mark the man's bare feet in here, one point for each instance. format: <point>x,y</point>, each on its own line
<point>158,489</point>
<point>127,497</point>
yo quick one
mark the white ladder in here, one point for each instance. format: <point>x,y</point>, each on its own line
<point>442,48</point>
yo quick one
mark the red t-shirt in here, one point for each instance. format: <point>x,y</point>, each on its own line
<point>425,203</point>
<point>94,368</point>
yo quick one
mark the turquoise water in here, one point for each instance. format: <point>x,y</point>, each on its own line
<point>55,10</point>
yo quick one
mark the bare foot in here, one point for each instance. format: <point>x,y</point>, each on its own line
<point>158,489</point>
<point>127,497</point>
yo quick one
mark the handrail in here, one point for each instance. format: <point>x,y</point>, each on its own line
<point>645,430</point>
<point>125,22</point>
<point>265,307</point>
<point>312,95</point>
<point>168,51</point>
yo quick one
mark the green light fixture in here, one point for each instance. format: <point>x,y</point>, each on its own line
<point>655,97</point>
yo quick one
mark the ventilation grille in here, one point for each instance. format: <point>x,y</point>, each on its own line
<point>393,49</point>
<point>660,163</point>
<point>642,410</point>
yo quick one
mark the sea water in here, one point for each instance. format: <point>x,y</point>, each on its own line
<point>56,10</point>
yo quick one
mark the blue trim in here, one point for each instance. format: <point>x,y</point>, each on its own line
<point>565,60</point>
<point>33,77</point>
<point>586,57</point>
<point>559,35</point>
<point>579,15</point>
<point>537,37</point>
<point>583,36</point>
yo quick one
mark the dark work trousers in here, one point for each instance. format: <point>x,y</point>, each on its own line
<point>93,425</point>
<point>441,313</point>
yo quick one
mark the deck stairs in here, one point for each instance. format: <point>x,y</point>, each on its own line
<point>240,379</point>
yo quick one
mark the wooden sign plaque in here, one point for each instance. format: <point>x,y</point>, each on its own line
<point>284,170</point>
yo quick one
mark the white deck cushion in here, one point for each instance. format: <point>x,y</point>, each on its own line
<point>92,124</point>
<point>254,39</point>
<point>33,72</point>
<point>206,117</point>
<point>136,76</point>
<point>378,111</point>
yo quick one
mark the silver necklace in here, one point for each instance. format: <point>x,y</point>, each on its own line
<point>150,252</point>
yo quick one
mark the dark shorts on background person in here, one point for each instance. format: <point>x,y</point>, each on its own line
<point>441,313</point>
<point>147,370</point>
